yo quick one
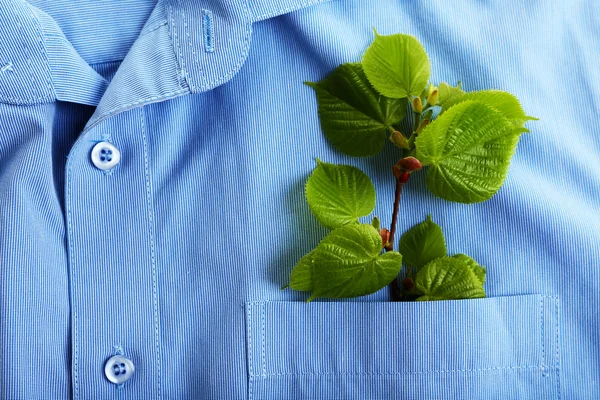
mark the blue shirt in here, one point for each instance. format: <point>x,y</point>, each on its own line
<point>153,156</point>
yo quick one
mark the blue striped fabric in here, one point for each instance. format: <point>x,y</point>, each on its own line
<point>84,24</point>
<point>175,257</point>
<point>290,355</point>
<point>25,77</point>
<point>68,66</point>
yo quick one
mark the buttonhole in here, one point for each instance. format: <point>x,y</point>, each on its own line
<point>208,30</point>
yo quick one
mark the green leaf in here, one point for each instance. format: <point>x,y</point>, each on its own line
<point>468,149</point>
<point>397,65</point>
<point>348,263</point>
<point>422,243</point>
<point>507,104</point>
<point>448,278</point>
<point>447,92</point>
<point>478,270</point>
<point>301,277</point>
<point>354,117</point>
<point>339,194</point>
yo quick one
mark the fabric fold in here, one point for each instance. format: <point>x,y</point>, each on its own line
<point>74,80</point>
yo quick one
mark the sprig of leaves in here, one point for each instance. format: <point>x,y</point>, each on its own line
<point>467,148</point>
<point>349,262</point>
<point>466,141</point>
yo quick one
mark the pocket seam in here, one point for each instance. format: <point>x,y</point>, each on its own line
<point>557,341</point>
<point>546,365</point>
<point>249,346</point>
<point>263,354</point>
<point>276,374</point>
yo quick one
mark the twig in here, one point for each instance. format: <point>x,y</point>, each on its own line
<point>395,288</point>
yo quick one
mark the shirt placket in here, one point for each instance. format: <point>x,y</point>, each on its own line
<point>111,251</point>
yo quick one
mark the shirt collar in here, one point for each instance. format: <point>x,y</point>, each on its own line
<point>186,46</point>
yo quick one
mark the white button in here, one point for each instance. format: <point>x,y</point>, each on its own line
<point>118,369</point>
<point>105,155</point>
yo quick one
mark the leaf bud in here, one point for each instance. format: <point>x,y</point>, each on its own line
<point>385,237</point>
<point>417,105</point>
<point>432,99</point>
<point>399,140</point>
<point>409,164</point>
<point>430,90</point>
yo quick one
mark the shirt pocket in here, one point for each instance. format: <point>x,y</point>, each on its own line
<point>491,348</point>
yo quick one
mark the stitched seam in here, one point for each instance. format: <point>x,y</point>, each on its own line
<point>29,62</point>
<point>288,9</point>
<point>557,334</point>
<point>171,33</point>
<point>543,365</point>
<point>262,339</point>
<point>189,37</point>
<point>71,258</point>
<point>152,250</point>
<point>542,334</point>
<point>7,67</point>
<point>547,362</point>
<point>242,57</point>
<point>43,49</point>
<point>256,302</point>
<point>152,29</point>
<point>251,374</point>
<point>40,98</point>
<point>516,367</point>
<point>556,363</point>
<point>16,101</point>
<point>175,38</point>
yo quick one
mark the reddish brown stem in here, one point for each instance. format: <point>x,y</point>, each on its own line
<point>397,195</point>
<point>395,288</point>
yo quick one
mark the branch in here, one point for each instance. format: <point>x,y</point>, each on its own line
<point>400,180</point>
